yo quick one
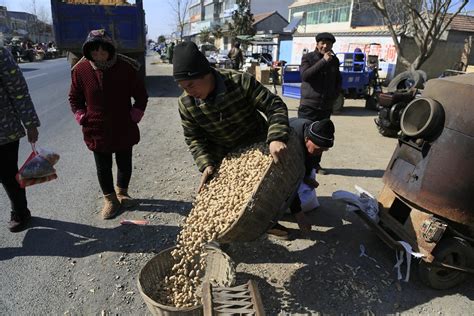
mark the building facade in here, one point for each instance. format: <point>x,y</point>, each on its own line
<point>209,14</point>
<point>353,26</point>
<point>22,25</point>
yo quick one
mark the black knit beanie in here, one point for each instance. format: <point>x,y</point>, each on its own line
<point>188,62</point>
<point>321,133</point>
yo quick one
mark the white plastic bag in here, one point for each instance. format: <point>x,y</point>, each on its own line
<point>364,202</point>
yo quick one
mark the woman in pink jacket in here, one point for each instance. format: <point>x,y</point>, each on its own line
<point>103,84</point>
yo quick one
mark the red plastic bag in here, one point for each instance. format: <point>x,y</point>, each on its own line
<point>34,156</point>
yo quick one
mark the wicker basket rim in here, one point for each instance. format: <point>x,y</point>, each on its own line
<point>169,307</point>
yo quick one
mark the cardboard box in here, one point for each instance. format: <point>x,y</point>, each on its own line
<point>262,75</point>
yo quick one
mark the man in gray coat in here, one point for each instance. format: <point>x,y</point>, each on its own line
<point>17,113</point>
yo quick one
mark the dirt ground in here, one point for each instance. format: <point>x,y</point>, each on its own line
<point>323,273</point>
<point>320,274</point>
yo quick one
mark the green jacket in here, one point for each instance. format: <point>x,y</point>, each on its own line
<point>231,117</point>
<point>16,108</point>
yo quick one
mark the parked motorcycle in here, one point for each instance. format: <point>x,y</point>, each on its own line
<point>22,54</point>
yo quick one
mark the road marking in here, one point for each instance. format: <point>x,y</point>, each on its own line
<point>36,76</point>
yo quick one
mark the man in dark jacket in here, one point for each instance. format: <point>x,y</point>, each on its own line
<point>17,113</point>
<point>316,138</point>
<point>320,81</point>
<point>236,56</point>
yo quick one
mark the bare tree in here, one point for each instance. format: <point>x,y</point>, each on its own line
<point>180,9</point>
<point>423,20</point>
<point>33,7</point>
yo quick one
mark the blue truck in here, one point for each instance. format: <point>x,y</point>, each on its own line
<point>125,23</point>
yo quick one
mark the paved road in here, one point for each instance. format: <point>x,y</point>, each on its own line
<point>39,271</point>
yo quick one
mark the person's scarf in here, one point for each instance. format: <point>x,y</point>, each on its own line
<point>104,65</point>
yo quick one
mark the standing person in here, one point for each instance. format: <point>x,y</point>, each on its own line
<point>222,109</point>
<point>17,113</point>
<point>320,82</point>
<point>236,56</point>
<point>170,52</point>
<point>316,138</point>
<point>103,83</point>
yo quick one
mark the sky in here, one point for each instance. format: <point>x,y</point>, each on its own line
<point>159,15</point>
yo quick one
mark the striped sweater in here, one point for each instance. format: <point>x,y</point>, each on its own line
<point>231,118</point>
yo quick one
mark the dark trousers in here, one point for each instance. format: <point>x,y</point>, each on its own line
<point>313,114</point>
<point>235,64</point>
<point>103,162</point>
<point>8,171</point>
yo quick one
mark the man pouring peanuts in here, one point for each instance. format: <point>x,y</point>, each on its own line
<point>221,110</point>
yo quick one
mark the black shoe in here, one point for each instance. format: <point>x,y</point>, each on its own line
<point>19,221</point>
<point>278,231</point>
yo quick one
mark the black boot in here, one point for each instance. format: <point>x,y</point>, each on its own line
<point>19,221</point>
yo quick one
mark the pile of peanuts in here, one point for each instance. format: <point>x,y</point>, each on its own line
<point>216,207</point>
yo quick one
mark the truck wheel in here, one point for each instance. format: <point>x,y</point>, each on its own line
<point>454,251</point>
<point>338,104</point>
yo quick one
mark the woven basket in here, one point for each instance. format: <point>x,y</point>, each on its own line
<point>270,197</point>
<point>219,267</point>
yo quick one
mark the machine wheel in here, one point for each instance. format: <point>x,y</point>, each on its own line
<point>396,112</point>
<point>386,132</point>
<point>383,130</point>
<point>338,104</point>
<point>406,80</point>
<point>454,251</point>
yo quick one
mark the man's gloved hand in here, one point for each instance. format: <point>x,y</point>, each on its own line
<point>79,116</point>
<point>32,134</point>
<point>206,174</point>
<point>303,223</point>
<point>277,150</point>
<point>311,182</point>
<point>136,115</point>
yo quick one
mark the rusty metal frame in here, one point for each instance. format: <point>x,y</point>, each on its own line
<point>410,231</point>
